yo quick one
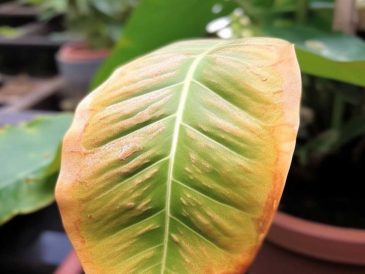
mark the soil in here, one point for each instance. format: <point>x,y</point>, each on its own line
<point>331,192</point>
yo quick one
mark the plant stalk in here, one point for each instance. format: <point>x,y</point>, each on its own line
<point>302,11</point>
<point>338,109</point>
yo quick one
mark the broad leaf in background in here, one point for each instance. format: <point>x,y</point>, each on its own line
<point>331,55</point>
<point>29,164</point>
<point>331,140</point>
<point>177,164</point>
<point>155,23</point>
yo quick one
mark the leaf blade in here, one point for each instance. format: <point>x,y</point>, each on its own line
<point>184,177</point>
<point>179,117</point>
<point>23,149</point>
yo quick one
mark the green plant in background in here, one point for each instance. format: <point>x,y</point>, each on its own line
<point>155,23</point>
<point>97,22</point>
<point>48,8</point>
<point>29,164</point>
<point>10,32</point>
<point>336,117</point>
<point>333,112</point>
<point>320,51</point>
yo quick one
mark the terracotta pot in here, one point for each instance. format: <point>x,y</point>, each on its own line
<point>77,64</point>
<point>296,245</point>
<point>326,242</point>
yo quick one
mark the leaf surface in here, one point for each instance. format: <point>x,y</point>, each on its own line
<point>177,162</point>
<point>331,55</point>
<point>29,164</point>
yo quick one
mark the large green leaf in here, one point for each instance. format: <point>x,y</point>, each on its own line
<point>177,162</point>
<point>332,55</point>
<point>29,164</point>
<point>157,22</point>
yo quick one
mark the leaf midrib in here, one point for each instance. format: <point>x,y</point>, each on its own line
<point>175,138</point>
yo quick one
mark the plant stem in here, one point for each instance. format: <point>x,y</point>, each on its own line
<point>337,111</point>
<point>302,11</point>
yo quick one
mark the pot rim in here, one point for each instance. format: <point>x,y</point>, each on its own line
<point>321,241</point>
<point>70,265</point>
<point>79,52</point>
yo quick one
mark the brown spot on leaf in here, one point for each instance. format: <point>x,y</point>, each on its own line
<point>175,238</point>
<point>128,150</point>
<point>130,205</point>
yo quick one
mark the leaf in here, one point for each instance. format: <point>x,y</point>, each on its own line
<point>29,164</point>
<point>155,23</point>
<point>332,139</point>
<point>177,162</point>
<point>331,55</point>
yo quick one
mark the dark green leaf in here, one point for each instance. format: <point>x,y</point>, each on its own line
<point>29,164</point>
<point>157,22</point>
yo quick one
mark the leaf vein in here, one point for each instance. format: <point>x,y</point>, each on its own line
<point>136,130</point>
<point>134,224</point>
<point>197,233</point>
<point>147,93</point>
<point>131,178</point>
<point>214,141</point>
<point>143,252</point>
<point>208,197</point>
<point>225,100</point>
<point>152,266</point>
<point>175,137</point>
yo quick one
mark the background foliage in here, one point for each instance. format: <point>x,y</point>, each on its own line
<point>29,164</point>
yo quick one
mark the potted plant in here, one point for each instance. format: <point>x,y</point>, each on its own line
<point>94,27</point>
<point>98,24</point>
<point>321,212</point>
<point>330,151</point>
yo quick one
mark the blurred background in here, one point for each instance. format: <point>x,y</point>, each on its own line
<point>53,52</point>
